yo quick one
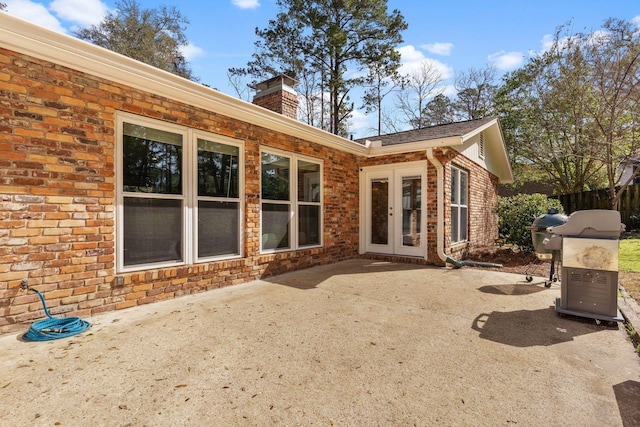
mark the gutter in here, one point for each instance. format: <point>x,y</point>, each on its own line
<point>440,222</point>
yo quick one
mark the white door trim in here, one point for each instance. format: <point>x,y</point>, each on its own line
<point>394,173</point>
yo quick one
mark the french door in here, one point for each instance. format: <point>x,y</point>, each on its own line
<point>394,222</point>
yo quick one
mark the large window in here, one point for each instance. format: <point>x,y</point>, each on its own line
<point>459,205</point>
<point>179,194</point>
<point>291,201</point>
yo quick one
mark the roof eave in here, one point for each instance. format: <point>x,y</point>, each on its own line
<point>479,129</point>
<point>376,150</point>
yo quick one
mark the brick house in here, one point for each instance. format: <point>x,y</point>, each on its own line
<point>121,184</point>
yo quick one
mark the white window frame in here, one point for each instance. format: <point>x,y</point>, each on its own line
<point>197,134</point>
<point>455,204</point>
<point>293,201</point>
<point>189,196</point>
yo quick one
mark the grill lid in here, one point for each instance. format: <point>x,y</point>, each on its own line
<point>552,218</point>
<point>593,223</point>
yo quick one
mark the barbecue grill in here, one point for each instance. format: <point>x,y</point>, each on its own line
<point>539,235</point>
<point>588,242</point>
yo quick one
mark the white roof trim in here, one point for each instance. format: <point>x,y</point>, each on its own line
<point>377,149</point>
<point>478,130</point>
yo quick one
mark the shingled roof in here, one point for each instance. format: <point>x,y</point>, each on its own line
<point>434,132</point>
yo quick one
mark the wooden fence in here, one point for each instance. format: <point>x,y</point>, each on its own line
<point>599,199</point>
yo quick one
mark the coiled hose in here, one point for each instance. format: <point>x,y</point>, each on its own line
<point>54,328</point>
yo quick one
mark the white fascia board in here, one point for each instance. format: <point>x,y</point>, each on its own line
<point>479,129</point>
<point>500,153</point>
<point>504,172</point>
<point>376,150</point>
<point>29,39</point>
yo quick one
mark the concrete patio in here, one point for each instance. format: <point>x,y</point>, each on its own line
<point>357,343</point>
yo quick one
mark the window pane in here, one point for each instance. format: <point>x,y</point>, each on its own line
<point>464,223</point>
<point>411,210</point>
<point>308,181</point>
<point>454,224</point>
<point>463,187</point>
<point>275,226</point>
<point>152,160</point>
<point>380,211</point>
<point>309,225</point>
<point>275,177</point>
<point>218,228</point>
<point>218,170</point>
<point>454,186</point>
<point>152,230</point>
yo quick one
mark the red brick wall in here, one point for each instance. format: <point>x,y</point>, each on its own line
<point>483,190</point>
<point>57,196</point>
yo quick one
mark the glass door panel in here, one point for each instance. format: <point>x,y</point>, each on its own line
<point>411,210</point>
<point>379,231</point>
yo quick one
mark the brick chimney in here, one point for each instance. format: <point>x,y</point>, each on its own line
<point>278,94</point>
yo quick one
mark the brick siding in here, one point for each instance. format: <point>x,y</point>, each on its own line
<point>483,220</point>
<point>57,196</point>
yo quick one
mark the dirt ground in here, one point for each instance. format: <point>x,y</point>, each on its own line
<point>518,262</point>
<point>358,343</point>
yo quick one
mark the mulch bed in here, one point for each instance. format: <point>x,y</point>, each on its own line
<point>518,262</point>
<point>512,260</point>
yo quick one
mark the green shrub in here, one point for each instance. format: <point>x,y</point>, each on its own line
<point>634,221</point>
<point>517,212</point>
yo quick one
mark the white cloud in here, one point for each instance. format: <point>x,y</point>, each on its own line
<point>599,36</point>
<point>191,51</point>
<point>547,42</point>
<point>506,61</point>
<point>449,90</point>
<point>412,60</point>
<point>443,49</point>
<point>81,12</point>
<point>636,21</point>
<point>409,53</point>
<point>361,124</point>
<point>35,13</point>
<point>246,4</point>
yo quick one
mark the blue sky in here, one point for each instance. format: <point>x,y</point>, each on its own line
<point>453,35</point>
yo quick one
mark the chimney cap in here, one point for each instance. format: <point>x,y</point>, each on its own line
<point>277,81</point>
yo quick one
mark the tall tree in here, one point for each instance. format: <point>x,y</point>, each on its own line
<point>476,90</point>
<point>153,36</point>
<point>236,77</point>
<point>382,79</point>
<point>572,112</point>
<point>614,62</point>
<point>439,111</point>
<point>418,87</point>
<point>327,38</point>
<point>542,108</point>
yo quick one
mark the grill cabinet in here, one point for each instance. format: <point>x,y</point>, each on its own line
<point>589,241</point>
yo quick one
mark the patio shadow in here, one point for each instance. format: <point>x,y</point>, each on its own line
<point>528,328</point>
<point>510,289</point>
<point>628,398</point>
<point>310,278</point>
